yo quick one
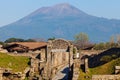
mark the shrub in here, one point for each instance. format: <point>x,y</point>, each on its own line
<point>106,58</point>
<point>114,56</point>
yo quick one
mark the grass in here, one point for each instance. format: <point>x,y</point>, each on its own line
<point>107,68</point>
<point>83,75</point>
<point>16,63</point>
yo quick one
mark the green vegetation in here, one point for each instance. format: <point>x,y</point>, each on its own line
<point>110,57</point>
<point>81,40</point>
<point>106,58</point>
<point>16,63</point>
<point>26,78</point>
<point>81,37</point>
<point>74,50</point>
<point>103,46</point>
<point>52,38</point>
<point>18,40</point>
<point>107,68</point>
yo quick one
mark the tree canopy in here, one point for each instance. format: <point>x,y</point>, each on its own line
<point>81,39</point>
<point>18,40</point>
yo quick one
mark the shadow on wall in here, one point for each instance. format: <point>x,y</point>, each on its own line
<point>68,73</point>
<point>104,57</point>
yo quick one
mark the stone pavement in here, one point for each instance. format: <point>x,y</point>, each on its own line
<point>62,74</point>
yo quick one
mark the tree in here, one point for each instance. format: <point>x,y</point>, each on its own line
<point>53,38</point>
<point>1,43</point>
<point>14,40</point>
<point>118,39</point>
<point>100,46</point>
<point>30,40</point>
<point>112,39</point>
<point>81,40</point>
<point>39,39</point>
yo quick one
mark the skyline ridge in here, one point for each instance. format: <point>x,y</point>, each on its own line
<point>18,9</point>
<point>50,21</point>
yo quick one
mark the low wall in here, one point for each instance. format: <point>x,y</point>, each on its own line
<point>91,52</point>
<point>106,77</point>
<point>23,54</point>
<point>85,53</point>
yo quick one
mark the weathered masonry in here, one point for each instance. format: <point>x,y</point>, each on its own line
<point>106,77</point>
<point>26,47</point>
<point>59,54</point>
<point>46,58</point>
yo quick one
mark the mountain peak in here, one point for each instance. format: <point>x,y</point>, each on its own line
<point>67,9</point>
<point>61,9</point>
<point>64,5</point>
<point>61,21</point>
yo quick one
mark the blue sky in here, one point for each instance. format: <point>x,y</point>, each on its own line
<point>12,10</point>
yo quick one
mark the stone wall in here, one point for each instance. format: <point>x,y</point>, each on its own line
<point>31,54</point>
<point>86,53</point>
<point>60,58</point>
<point>60,44</point>
<point>49,60</point>
<point>106,77</point>
<point>59,53</point>
<point>8,74</point>
<point>37,64</point>
<point>91,52</point>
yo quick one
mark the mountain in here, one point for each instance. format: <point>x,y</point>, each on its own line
<point>61,21</point>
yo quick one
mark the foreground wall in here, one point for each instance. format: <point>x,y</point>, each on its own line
<point>106,77</point>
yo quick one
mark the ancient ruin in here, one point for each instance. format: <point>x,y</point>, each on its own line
<point>25,47</point>
<point>45,59</point>
<point>59,54</point>
<point>91,58</point>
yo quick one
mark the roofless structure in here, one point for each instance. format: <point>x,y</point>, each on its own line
<point>21,47</point>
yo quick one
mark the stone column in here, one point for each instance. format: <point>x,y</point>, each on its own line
<point>76,68</point>
<point>1,74</point>
<point>86,65</point>
<point>48,66</point>
<point>70,56</point>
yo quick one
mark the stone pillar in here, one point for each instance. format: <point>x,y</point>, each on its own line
<point>70,55</point>
<point>48,67</point>
<point>32,67</point>
<point>86,65</point>
<point>1,74</point>
<point>76,68</point>
<point>76,65</point>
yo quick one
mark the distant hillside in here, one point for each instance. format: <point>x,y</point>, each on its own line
<point>61,21</point>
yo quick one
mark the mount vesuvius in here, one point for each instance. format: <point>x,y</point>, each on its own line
<point>61,21</point>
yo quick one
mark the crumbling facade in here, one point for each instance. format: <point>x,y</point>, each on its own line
<point>46,59</point>
<point>57,54</point>
<point>25,47</point>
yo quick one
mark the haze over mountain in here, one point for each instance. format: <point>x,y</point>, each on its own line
<point>61,21</point>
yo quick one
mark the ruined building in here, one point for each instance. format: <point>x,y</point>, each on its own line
<point>59,54</point>
<point>45,58</point>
